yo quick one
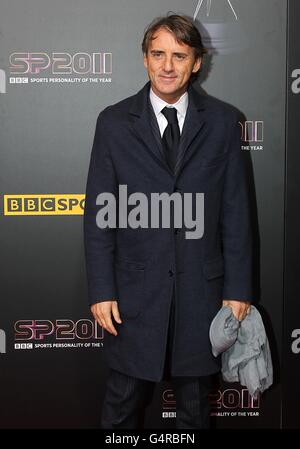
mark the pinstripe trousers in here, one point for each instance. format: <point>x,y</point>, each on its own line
<point>127,397</point>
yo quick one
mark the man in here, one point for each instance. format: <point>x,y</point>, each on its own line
<point>154,291</point>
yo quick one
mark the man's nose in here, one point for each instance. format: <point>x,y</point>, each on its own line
<point>168,64</point>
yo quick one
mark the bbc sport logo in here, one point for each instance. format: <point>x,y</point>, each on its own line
<point>169,414</point>
<point>23,346</point>
<point>44,204</point>
<point>2,342</point>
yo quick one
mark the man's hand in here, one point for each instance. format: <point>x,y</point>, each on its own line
<point>239,308</point>
<point>102,313</point>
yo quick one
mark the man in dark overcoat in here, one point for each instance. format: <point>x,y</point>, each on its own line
<point>155,287</point>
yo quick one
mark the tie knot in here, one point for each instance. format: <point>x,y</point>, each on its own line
<point>170,114</point>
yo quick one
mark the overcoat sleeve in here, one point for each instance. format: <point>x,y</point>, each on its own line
<point>236,226</point>
<point>99,243</point>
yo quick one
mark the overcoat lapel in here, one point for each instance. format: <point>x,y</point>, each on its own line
<point>194,122</point>
<point>145,127</point>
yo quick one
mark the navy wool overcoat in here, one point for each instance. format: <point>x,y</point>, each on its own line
<point>140,267</point>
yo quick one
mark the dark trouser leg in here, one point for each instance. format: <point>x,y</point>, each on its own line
<point>170,337</point>
<point>192,402</point>
<point>125,401</point>
<point>192,393</point>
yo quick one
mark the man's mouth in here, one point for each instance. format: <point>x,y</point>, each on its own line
<point>167,77</point>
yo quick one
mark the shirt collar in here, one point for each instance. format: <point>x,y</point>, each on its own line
<point>158,104</point>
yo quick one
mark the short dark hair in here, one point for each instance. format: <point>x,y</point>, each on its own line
<point>182,27</point>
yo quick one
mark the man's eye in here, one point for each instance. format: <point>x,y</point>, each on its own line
<point>180,57</point>
<point>156,55</point>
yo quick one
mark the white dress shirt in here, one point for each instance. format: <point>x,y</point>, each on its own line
<point>158,104</point>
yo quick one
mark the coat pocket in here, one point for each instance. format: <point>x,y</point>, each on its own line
<point>130,282</point>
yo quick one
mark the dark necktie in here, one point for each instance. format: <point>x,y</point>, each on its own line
<point>171,136</point>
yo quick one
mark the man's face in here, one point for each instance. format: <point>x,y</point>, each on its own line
<point>169,65</point>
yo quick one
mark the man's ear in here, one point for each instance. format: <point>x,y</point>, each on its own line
<point>145,60</point>
<point>197,65</point>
